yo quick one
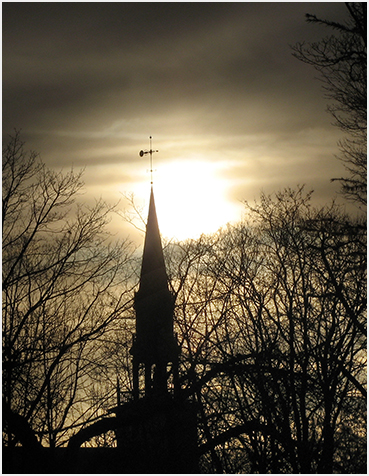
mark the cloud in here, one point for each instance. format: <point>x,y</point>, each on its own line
<point>89,82</point>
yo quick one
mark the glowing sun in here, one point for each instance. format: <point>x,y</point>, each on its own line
<point>191,198</point>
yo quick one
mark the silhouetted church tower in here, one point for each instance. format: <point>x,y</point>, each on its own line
<point>157,432</point>
<point>154,350</point>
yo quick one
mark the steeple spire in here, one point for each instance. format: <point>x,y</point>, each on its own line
<point>153,273</point>
<point>154,345</point>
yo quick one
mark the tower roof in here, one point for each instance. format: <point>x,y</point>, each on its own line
<point>154,343</point>
<point>153,273</point>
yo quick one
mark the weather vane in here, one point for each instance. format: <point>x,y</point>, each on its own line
<point>151,151</point>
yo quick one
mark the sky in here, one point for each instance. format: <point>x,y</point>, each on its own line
<point>229,108</point>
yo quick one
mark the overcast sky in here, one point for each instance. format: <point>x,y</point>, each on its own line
<point>231,111</point>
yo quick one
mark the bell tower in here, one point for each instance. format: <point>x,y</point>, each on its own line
<point>154,350</point>
<point>157,429</point>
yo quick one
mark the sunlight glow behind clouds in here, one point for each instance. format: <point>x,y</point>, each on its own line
<point>230,109</point>
<point>191,198</point>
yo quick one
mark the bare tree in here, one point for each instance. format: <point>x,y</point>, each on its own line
<point>66,287</point>
<point>341,62</point>
<point>271,315</point>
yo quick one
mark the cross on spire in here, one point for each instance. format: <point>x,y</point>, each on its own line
<point>151,151</point>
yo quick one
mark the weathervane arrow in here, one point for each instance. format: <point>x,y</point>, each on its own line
<point>151,151</point>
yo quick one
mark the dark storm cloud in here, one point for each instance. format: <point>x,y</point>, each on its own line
<point>88,82</point>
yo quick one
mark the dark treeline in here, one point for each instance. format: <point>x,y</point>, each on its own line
<point>270,312</point>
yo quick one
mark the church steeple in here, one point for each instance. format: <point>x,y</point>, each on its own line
<point>154,346</point>
<point>153,272</point>
<point>158,432</point>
